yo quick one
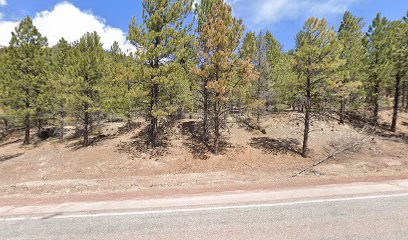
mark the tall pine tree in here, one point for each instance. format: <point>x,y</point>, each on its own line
<point>245,95</point>
<point>5,111</point>
<point>203,8</point>
<point>60,81</point>
<point>160,37</point>
<point>26,66</point>
<point>219,65</point>
<point>88,75</point>
<point>378,63</point>
<point>122,90</point>
<point>352,73</point>
<point>398,34</point>
<point>275,69</point>
<point>316,60</point>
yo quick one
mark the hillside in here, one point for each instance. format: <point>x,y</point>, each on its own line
<point>118,164</point>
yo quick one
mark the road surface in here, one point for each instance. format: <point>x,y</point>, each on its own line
<point>357,211</point>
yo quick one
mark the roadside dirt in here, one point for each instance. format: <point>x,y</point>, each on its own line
<point>120,166</point>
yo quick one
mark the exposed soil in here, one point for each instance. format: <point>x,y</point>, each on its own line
<point>120,164</point>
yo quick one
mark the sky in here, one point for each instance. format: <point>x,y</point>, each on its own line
<point>283,18</point>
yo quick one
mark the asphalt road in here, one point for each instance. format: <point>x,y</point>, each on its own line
<point>374,216</point>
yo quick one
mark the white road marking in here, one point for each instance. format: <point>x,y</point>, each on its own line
<point>90,215</point>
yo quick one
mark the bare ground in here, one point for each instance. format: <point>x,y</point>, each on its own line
<point>119,164</point>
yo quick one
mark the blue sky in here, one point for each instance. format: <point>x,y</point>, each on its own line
<point>283,18</point>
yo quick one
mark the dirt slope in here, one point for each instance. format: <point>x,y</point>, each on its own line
<point>120,163</point>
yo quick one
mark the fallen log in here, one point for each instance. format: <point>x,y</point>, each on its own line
<point>252,125</point>
<point>347,148</point>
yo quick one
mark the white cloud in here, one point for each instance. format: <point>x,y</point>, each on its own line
<point>6,28</point>
<point>272,11</point>
<point>258,13</point>
<point>331,7</point>
<point>67,21</point>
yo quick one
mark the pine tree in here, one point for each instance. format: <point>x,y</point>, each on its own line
<point>122,91</point>
<point>316,60</point>
<point>284,78</point>
<point>202,11</point>
<point>219,66</point>
<point>5,111</point>
<point>160,37</point>
<point>398,35</point>
<point>43,111</point>
<point>60,81</point>
<point>266,55</point>
<point>353,52</point>
<point>249,47</point>
<point>275,69</point>
<point>405,80</point>
<point>88,74</point>
<point>251,51</point>
<point>378,63</point>
<point>26,64</point>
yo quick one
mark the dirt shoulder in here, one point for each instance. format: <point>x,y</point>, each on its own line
<point>158,193</point>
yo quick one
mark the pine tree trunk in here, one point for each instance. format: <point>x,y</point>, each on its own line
<point>27,129</point>
<point>307,109</point>
<point>376,108</point>
<point>62,123</point>
<point>154,99</point>
<point>86,125</point>
<point>6,126</point>
<point>306,133</point>
<point>396,102</point>
<point>128,113</point>
<point>216,125</point>
<point>342,110</point>
<point>217,113</point>
<point>39,125</point>
<point>403,91</point>
<point>153,131</point>
<point>129,122</point>
<point>27,123</point>
<point>154,119</point>
<point>205,111</point>
<point>258,113</point>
